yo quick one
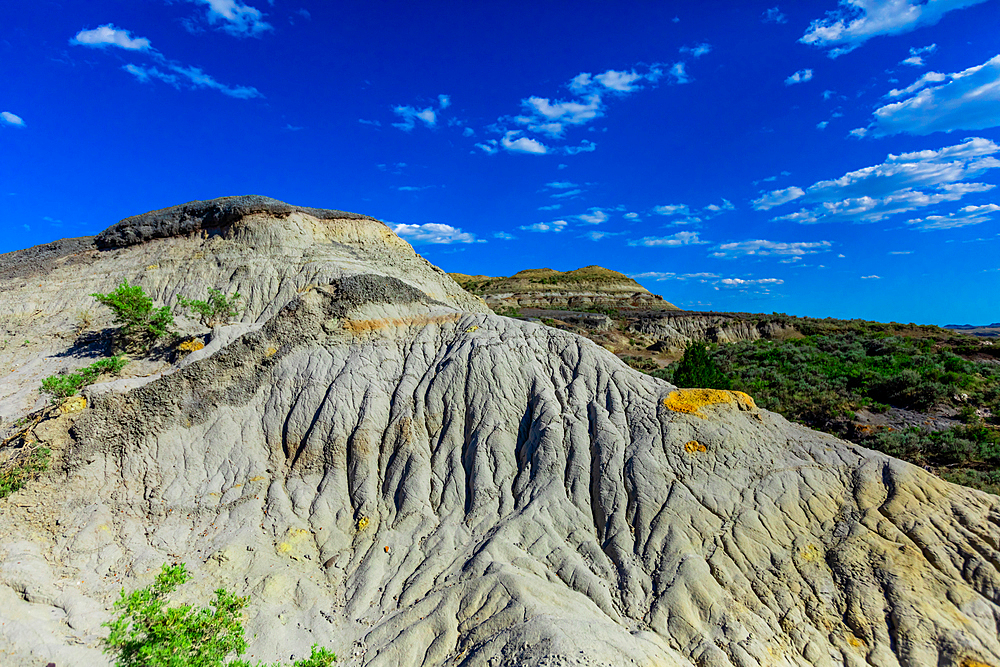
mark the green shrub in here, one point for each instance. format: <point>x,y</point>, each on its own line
<point>64,386</point>
<point>697,369</point>
<point>21,469</point>
<point>141,324</point>
<point>218,310</point>
<point>148,633</point>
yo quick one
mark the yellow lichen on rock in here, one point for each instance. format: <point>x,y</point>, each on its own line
<point>73,404</point>
<point>191,345</point>
<point>690,401</point>
<point>270,352</point>
<point>472,328</point>
<point>362,523</point>
<point>694,447</point>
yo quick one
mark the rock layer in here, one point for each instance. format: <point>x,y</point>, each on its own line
<point>410,483</point>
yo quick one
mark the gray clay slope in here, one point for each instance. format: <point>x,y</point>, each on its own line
<point>410,483</point>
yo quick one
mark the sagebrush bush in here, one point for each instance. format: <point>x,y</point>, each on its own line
<point>141,324</point>
<point>149,633</point>
<point>219,309</point>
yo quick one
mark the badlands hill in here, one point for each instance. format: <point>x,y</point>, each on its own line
<point>592,287</point>
<point>391,470</point>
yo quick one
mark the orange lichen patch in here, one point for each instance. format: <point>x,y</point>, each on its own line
<point>152,267</point>
<point>365,326</point>
<point>258,478</point>
<point>809,554</point>
<point>693,447</point>
<point>73,404</point>
<point>854,641</point>
<point>690,401</point>
<point>969,662</point>
<point>270,352</point>
<point>191,345</point>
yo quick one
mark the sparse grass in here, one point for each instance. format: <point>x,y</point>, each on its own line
<point>64,386</point>
<point>22,468</point>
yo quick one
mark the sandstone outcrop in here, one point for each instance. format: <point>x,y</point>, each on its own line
<point>588,287</point>
<point>390,470</point>
<point>673,331</point>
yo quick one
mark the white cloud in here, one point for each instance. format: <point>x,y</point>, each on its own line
<point>679,72</point>
<point>414,188</point>
<point>444,101</point>
<point>411,115</point>
<point>916,58</point>
<point>584,147</point>
<point>468,132</point>
<point>777,198</point>
<point>674,240</point>
<point>827,94</point>
<point>570,113</point>
<point>632,216</point>
<point>822,124</point>
<point>672,209</point>
<point>871,277</point>
<point>9,118</point>
<point>550,207</point>
<point>517,144</point>
<point>597,236</point>
<point>856,21</point>
<point>433,233</point>
<point>717,208</point>
<point>928,78</point>
<point>554,226</point>
<point>191,77</point>
<point>568,193</point>
<point>900,252</point>
<point>109,35</point>
<point>741,282</point>
<point>710,279</point>
<point>902,183</point>
<point>764,248</point>
<point>773,15</point>
<point>858,132</point>
<point>235,17</point>
<point>970,100</point>
<point>504,236</point>
<point>698,50</point>
<point>965,216</point>
<point>561,185</point>
<point>490,147</point>
<point>595,217</point>
<point>373,123</point>
<point>801,76</point>
<point>622,82</point>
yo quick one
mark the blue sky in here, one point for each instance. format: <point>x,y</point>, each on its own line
<point>813,158</point>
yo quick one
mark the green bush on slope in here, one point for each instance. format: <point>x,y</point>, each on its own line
<point>141,324</point>
<point>148,633</point>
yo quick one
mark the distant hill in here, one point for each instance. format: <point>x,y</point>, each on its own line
<point>587,287</point>
<point>988,330</point>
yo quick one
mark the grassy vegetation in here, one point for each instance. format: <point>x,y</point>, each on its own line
<point>21,469</point>
<point>148,633</point>
<point>838,368</point>
<point>64,386</point>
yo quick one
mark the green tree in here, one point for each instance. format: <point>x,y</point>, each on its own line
<point>141,324</point>
<point>697,369</point>
<point>219,309</point>
<point>148,633</point>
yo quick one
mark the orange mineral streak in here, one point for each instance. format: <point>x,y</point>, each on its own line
<point>366,326</point>
<point>690,401</point>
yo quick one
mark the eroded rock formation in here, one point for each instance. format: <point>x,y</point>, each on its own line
<point>390,470</point>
